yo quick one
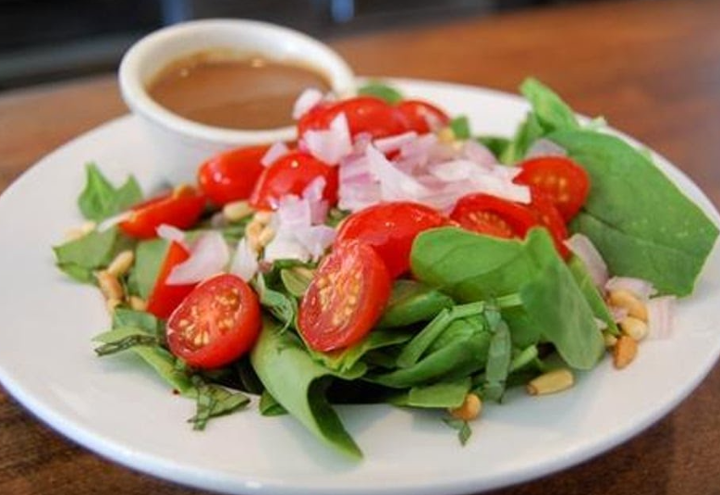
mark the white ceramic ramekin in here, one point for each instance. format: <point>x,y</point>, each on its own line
<point>182,145</point>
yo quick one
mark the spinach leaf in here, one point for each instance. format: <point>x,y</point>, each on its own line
<point>382,91</point>
<point>640,221</point>
<point>296,279</point>
<point>280,305</point>
<point>298,383</point>
<point>525,135</point>
<point>149,257</point>
<point>81,257</point>
<point>460,127</point>
<point>472,267</point>
<point>100,199</point>
<point>592,294</point>
<point>439,395</point>
<point>496,144</point>
<point>412,302</point>
<point>551,112</point>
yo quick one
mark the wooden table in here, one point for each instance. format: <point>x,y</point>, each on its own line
<point>651,67</point>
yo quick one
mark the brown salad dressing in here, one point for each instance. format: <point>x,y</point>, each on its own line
<point>232,92</point>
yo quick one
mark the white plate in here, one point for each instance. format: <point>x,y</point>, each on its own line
<point>125,413</point>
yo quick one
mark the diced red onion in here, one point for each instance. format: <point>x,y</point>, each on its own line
<point>305,102</point>
<point>476,152</point>
<point>273,153</point>
<point>582,247</point>
<point>285,247</point>
<point>172,234</point>
<point>455,170</point>
<point>639,287</point>
<point>313,194</point>
<point>394,143</point>
<point>330,145</point>
<point>209,255</point>
<point>544,147</point>
<point>394,184</point>
<point>316,239</point>
<point>661,312</point>
<point>245,262</point>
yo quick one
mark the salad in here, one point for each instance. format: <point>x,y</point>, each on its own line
<point>390,255</point>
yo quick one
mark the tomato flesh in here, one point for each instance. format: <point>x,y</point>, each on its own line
<point>494,216</point>
<point>566,183</point>
<point>217,323</point>
<point>231,175</point>
<point>181,208</point>
<point>364,114</point>
<point>291,174</point>
<point>549,216</point>
<point>165,298</point>
<point>391,228</point>
<point>421,116</point>
<point>345,298</point>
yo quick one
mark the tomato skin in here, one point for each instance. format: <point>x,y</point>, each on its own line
<point>417,113</point>
<point>494,216</point>
<point>181,208</point>
<point>559,178</point>
<point>365,114</point>
<point>218,322</point>
<point>231,175</point>
<point>390,228</point>
<point>165,298</point>
<point>549,216</point>
<point>291,174</point>
<point>345,298</point>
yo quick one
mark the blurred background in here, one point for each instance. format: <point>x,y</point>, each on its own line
<point>51,40</point>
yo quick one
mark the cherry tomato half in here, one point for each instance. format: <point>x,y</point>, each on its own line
<point>390,228</point>
<point>181,208</point>
<point>549,216</point>
<point>165,298</point>
<point>494,216</point>
<point>364,114</point>
<point>421,116</point>
<point>345,298</point>
<point>217,323</point>
<point>231,175</point>
<point>291,174</point>
<point>565,182</point>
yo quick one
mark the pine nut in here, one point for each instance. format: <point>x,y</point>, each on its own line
<point>622,298</point>
<point>446,135</point>
<point>252,234</point>
<point>79,232</point>
<point>121,264</point>
<point>624,351</point>
<point>610,339</point>
<point>551,382</point>
<point>267,235</point>
<point>469,410</point>
<point>236,211</point>
<point>109,286</point>
<point>634,327</point>
<point>111,304</point>
<point>263,217</point>
<point>137,303</point>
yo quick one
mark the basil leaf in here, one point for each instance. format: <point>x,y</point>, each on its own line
<point>213,401</point>
<point>551,111</point>
<point>439,395</point>
<point>462,427</point>
<point>100,199</point>
<point>460,127</point>
<point>269,406</point>
<point>149,258</point>
<point>412,302</point>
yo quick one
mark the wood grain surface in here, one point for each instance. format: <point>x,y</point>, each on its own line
<point>652,68</point>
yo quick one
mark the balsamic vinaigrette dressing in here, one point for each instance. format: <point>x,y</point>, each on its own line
<point>235,93</point>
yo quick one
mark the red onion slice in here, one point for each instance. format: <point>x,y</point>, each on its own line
<point>245,262</point>
<point>330,145</point>
<point>582,247</point>
<point>544,147</point>
<point>394,143</point>
<point>209,255</point>
<point>273,153</point>
<point>661,312</point>
<point>305,102</point>
<point>172,234</point>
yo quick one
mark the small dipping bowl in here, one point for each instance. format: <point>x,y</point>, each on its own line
<point>181,144</point>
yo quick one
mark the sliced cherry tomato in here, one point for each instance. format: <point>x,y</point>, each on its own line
<point>217,323</point>
<point>390,228</point>
<point>564,181</point>
<point>231,175</point>
<point>165,298</point>
<point>421,116</point>
<point>181,208</point>
<point>345,298</point>
<point>291,174</point>
<point>494,216</point>
<point>364,114</point>
<point>549,216</point>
